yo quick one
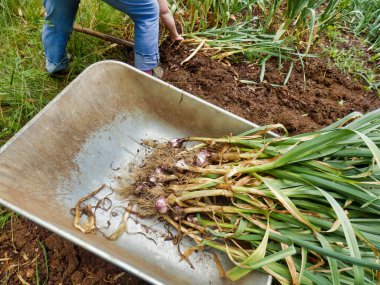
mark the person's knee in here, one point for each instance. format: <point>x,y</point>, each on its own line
<point>60,15</point>
<point>149,20</point>
<point>55,8</point>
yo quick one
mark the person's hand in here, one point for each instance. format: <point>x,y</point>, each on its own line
<point>176,38</point>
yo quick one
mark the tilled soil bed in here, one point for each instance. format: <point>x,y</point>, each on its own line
<point>302,106</point>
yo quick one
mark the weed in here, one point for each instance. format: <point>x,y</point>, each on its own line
<point>5,217</point>
<point>42,246</point>
<point>364,18</point>
<point>351,59</point>
<point>37,274</point>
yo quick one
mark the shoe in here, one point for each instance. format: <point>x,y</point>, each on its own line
<point>158,72</point>
<point>62,72</point>
<point>69,57</point>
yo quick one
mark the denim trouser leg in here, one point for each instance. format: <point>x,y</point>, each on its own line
<point>60,16</point>
<point>145,15</point>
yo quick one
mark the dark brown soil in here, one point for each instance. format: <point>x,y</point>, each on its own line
<point>21,247</point>
<point>302,106</point>
<point>325,96</point>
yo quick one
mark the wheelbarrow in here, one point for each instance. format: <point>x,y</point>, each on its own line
<point>86,137</point>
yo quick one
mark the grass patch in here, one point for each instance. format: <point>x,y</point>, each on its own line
<point>363,17</point>
<point>25,87</point>
<point>5,217</point>
<point>352,59</point>
<point>46,263</point>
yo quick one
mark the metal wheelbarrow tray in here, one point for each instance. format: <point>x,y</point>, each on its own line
<point>84,138</point>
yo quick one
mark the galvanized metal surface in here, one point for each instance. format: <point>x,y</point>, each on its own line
<point>86,137</point>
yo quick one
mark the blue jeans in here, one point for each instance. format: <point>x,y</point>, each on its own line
<point>60,17</point>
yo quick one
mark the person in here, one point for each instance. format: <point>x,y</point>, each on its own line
<point>59,21</point>
<point>168,20</point>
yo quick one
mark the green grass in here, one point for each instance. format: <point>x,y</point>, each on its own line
<point>363,17</point>
<point>46,264</point>
<point>353,60</point>
<point>5,217</point>
<point>25,87</point>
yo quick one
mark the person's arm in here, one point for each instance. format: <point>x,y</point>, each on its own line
<point>168,20</point>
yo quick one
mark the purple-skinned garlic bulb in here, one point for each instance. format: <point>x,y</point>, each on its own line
<point>161,205</point>
<point>177,143</point>
<point>155,177</point>
<point>140,188</point>
<point>202,157</point>
<point>182,165</point>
